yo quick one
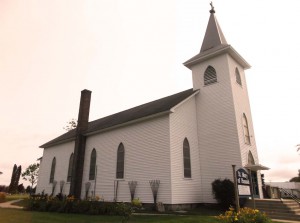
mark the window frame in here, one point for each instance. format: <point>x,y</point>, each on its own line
<point>52,171</point>
<point>120,167</point>
<point>70,169</point>
<point>187,164</point>
<point>246,131</point>
<point>251,159</point>
<point>210,76</point>
<point>93,161</point>
<point>238,77</point>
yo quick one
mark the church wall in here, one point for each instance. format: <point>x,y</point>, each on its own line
<point>147,157</point>
<point>242,105</point>
<point>183,124</point>
<point>62,154</point>
<point>218,137</point>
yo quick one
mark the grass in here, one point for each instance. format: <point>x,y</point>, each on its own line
<point>16,216</point>
<point>201,214</point>
<point>12,197</point>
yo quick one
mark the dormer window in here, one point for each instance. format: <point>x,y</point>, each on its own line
<point>238,76</point>
<point>210,75</point>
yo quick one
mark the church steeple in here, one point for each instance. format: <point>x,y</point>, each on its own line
<point>214,44</point>
<point>213,35</point>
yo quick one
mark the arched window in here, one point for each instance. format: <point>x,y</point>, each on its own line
<point>69,178</point>
<point>246,130</point>
<point>186,159</point>
<point>238,76</point>
<point>93,165</point>
<point>52,172</point>
<point>120,162</point>
<point>210,75</point>
<point>250,158</point>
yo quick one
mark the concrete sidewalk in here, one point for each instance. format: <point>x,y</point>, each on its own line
<point>9,204</point>
<point>285,221</point>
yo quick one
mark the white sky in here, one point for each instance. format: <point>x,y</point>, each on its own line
<point>131,52</point>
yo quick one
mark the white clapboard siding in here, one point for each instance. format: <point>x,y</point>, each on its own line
<point>241,106</point>
<point>62,154</point>
<point>218,136</point>
<point>147,157</point>
<point>183,124</point>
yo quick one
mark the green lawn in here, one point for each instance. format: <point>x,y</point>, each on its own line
<point>20,216</point>
<point>201,214</point>
<point>15,197</point>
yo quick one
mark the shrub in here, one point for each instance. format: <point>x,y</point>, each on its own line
<point>136,203</point>
<point>71,205</point>
<point>245,215</point>
<point>2,197</point>
<point>223,191</point>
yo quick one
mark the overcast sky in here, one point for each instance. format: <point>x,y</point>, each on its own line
<point>129,52</point>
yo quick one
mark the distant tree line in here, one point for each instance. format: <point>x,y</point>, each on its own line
<point>30,174</point>
<point>21,189</point>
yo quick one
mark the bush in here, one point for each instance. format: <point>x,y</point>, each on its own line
<point>245,215</point>
<point>136,203</point>
<point>2,197</point>
<point>71,205</point>
<point>223,191</point>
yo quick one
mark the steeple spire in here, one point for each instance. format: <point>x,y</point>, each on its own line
<point>213,35</point>
<point>214,43</point>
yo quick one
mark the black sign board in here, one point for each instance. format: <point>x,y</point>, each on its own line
<point>243,182</point>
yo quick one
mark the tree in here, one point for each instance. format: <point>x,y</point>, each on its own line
<point>14,182</point>
<point>31,174</point>
<point>72,124</point>
<point>298,147</point>
<point>296,179</point>
<point>21,188</point>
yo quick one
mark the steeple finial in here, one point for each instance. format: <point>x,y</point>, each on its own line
<point>212,10</point>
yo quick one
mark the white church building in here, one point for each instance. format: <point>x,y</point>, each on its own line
<point>183,142</point>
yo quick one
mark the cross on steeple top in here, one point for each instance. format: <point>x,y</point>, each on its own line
<point>212,10</point>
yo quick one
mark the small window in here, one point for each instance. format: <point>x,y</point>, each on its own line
<point>93,165</point>
<point>186,159</point>
<point>246,130</point>
<point>210,75</point>
<point>69,178</point>
<point>52,173</point>
<point>238,77</point>
<point>120,162</point>
<point>250,158</point>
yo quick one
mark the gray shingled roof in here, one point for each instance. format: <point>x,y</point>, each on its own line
<point>142,111</point>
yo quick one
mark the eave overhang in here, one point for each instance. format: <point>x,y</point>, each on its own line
<point>216,51</point>
<point>256,167</point>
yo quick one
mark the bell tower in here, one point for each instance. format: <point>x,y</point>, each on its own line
<point>225,130</point>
